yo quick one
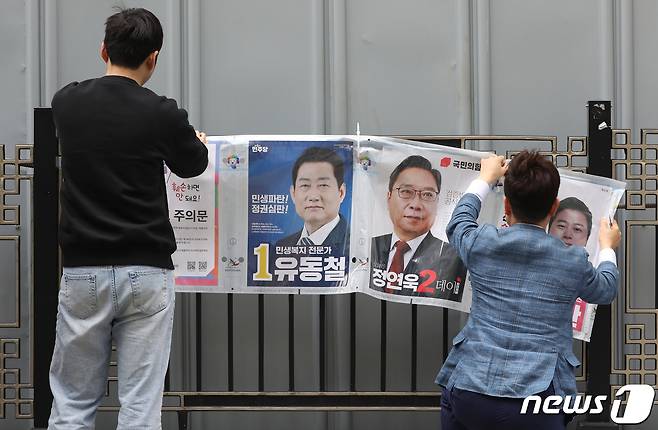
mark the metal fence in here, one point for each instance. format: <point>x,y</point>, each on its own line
<point>603,152</point>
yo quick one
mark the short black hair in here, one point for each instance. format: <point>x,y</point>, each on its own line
<point>316,154</point>
<point>577,205</point>
<point>131,35</point>
<point>531,186</point>
<point>418,162</point>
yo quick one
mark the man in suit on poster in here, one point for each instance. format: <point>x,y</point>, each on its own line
<point>317,190</point>
<point>411,249</point>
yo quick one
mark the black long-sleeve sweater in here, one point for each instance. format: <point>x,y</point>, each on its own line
<point>114,136</point>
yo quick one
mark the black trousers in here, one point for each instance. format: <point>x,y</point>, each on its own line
<point>466,410</point>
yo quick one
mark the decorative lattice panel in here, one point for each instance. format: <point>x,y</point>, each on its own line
<point>636,163</point>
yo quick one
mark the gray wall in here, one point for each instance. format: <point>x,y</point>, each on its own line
<point>319,66</point>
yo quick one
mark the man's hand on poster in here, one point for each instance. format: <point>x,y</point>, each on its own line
<point>493,168</point>
<point>609,234</point>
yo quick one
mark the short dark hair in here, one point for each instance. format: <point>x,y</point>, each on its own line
<point>531,186</point>
<point>316,154</point>
<point>577,205</point>
<point>414,161</point>
<point>131,35</point>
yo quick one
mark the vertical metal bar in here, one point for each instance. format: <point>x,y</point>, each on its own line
<point>291,342</point>
<point>353,342</point>
<point>199,343</point>
<point>182,420</point>
<point>46,259</point>
<point>414,346</point>
<point>323,323</point>
<point>446,332</point>
<point>229,328</point>
<point>599,357</point>
<point>382,380</point>
<point>261,342</point>
<point>167,381</point>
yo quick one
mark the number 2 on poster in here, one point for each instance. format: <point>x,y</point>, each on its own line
<point>431,277</point>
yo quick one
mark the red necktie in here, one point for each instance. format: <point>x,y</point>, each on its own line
<point>397,264</point>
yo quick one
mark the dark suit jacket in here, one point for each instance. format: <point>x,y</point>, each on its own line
<point>433,254</point>
<point>338,239</point>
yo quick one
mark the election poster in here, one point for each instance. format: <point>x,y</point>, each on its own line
<point>412,191</point>
<point>193,213</point>
<point>299,211</point>
<point>338,214</point>
<point>584,200</point>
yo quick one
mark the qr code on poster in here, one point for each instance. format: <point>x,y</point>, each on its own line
<point>191,266</point>
<point>203,265</point>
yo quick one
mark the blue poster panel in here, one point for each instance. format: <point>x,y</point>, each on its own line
<point>299,213</point>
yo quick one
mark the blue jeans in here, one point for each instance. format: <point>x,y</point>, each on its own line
<point>132,306</point>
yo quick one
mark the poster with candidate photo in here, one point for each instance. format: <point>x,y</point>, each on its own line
<point>194,217</point>
<point>299,214</point>
<point>412,191</point>
<point>584,200</point>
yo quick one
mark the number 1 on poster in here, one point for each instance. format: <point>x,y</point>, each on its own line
<point>262,253</point>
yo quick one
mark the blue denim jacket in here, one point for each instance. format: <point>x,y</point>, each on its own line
<point>518,338</point>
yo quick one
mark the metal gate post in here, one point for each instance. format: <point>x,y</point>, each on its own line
<point>46,260</point>
<point>599,363</point>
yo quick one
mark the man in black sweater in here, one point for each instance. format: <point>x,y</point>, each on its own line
<point>115,234</point>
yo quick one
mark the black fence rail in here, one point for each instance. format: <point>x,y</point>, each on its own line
<point>47,272</point>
